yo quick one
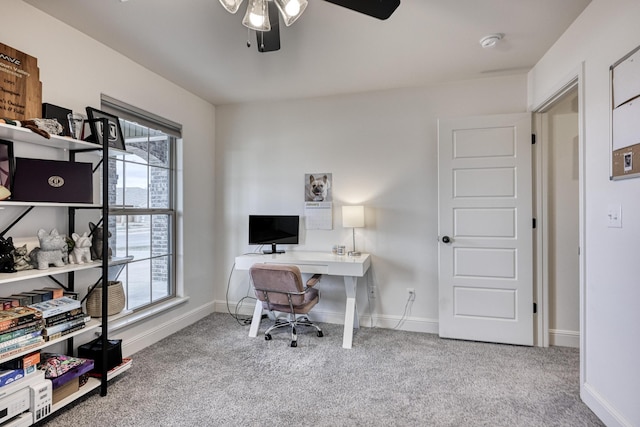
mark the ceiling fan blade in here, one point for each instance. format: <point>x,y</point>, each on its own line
<point>381,9</point>
<point>268,41</point>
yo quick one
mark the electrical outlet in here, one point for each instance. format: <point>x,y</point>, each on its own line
<point>411,291</point>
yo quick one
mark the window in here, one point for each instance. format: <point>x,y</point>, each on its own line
<point>142,208</point>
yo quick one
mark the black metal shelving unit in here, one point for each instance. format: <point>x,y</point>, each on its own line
<point>74,147</point>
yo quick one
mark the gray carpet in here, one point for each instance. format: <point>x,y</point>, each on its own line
<point>212,374</point>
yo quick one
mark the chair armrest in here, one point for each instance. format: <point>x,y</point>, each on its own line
<point>313,280</point>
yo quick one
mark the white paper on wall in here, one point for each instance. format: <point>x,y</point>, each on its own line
<point>626,125</point>
<point>626,81</point>
<point>318,215</point>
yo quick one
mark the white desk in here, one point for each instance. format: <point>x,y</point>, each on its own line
<point>316,262</point>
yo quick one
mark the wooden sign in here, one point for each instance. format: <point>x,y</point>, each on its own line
<point>20,86</point>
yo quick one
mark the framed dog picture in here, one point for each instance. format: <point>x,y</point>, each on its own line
<point>113,133</point>
<point>6,163</point>
<point>317,187</point>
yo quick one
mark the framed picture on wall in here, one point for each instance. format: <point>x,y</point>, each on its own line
<point>6,163</point>
<point>113,133</point>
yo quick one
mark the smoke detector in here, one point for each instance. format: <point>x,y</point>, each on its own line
<point>491,40</point>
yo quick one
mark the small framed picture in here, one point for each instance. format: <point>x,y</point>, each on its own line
<point>114,133</point>
<point>628,161</point>
<point>6,163</point>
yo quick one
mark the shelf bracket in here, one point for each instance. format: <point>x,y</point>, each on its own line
<point>98,165</point>
<point>57,282</point>
<point>91,288</point>
<point>6,230</point>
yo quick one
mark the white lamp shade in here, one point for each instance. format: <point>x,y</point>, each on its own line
<point>231,5</point>
<point>352,216</point>
<point>291,9</point>
<point>257,16</point>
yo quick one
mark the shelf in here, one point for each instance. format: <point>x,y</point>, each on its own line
<point>90,326</point>
<point>32,274</point>
<point>91,385</point>
<point>60,142</point>
<point>108,267</point>
<point>35,273</point>
<point>11,203</point>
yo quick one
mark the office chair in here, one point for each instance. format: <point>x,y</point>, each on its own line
<point>280,288</point>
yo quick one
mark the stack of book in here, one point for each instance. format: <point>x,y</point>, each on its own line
<point>61,317</point>
<point>20,329</point>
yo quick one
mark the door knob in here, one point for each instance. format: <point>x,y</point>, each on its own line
<point>446,239</point>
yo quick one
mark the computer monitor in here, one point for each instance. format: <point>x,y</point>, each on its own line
<point>273,230</point>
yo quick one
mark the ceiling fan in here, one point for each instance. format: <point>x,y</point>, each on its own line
<point>262,15</point>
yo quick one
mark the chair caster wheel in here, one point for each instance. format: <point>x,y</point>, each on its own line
<point>294,343</point>
<point>320,334</point>
<point>267,337</point>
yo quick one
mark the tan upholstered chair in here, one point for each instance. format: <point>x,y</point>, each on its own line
<point>281,289</point>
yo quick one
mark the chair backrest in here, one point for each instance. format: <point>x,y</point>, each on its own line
<point>277,281</point>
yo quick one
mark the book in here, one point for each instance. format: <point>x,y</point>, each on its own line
<point>37,326</point>
<point>45,294</point>
<point>56,306</point>
<point>15,302</point>
<point>65,332</point>
<point>9,353</point>
<point>64,317</point>
<point>28,363</point>
<point>20,340</point>
<point>16,342</point>
<point>22,345</point>
<point>23,300</point>
<point>39,323</point>
<point>72,295</point>
<point>62,327</point>
<point>56,292</point>
<point>16,316</point>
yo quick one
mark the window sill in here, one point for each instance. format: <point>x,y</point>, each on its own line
<point>129,318</point>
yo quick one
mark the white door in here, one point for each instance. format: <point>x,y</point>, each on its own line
<point>485,228</point>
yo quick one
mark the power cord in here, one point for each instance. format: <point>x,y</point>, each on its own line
<point>407,309</point>
<point>372,323</point>
<point>241,321</point>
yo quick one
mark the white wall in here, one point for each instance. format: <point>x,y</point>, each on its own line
<point>606,31</point>
<point>75,70</point>
<point>381,149</point>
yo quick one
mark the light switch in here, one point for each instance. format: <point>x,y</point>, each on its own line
<point>614,216</point>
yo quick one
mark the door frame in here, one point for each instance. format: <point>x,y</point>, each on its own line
<point>574,80</point>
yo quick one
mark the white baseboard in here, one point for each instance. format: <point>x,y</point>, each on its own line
<point>413,324</point>
<point>562,338</point>
<point>603,410</point>
<point>163,330</point>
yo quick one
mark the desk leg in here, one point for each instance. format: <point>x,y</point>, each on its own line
<point>257,317</point>
<point>351,311</point>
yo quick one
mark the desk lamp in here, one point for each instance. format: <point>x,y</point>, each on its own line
<point>353,216</point>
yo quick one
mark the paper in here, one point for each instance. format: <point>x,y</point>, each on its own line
<point>318,215</point>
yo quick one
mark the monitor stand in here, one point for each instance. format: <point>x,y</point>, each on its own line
<point>273,250</point>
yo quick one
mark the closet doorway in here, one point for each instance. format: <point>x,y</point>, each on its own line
<point>558,206</point>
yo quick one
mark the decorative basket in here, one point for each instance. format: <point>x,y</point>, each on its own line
<point>115,299</point>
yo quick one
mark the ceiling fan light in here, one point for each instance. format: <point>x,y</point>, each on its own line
<point>257,16</point>
<point>291,10</point>
<point>231,5</point>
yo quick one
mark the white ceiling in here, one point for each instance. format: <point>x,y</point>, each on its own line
<point>330,50</point>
